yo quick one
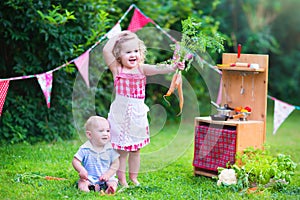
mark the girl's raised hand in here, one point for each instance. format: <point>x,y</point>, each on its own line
<point>180,65</point>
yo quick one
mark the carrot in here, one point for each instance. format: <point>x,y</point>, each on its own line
<point>172,85</point>
<point>180,94</point>
<point>178,79</point>
<point>176,83</point>
<point>171,88</point>
<point>54,178</point>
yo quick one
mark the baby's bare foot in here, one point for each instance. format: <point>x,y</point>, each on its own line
<point>110,190</point>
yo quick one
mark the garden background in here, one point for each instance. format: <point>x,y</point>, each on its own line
<point>39,36</point>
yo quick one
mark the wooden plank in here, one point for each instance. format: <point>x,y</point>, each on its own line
<point>261,59</point>
<point>250,135</point>
<point>241,69</point>
<point>235,122</point>
<point>199,171</point>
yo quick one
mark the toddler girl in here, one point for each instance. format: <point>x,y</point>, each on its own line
<point>125,54</point>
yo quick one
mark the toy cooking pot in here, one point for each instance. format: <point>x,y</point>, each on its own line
<point>226,110</point>
<point>219,117</point>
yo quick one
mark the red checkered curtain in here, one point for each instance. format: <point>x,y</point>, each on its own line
<point>214,147</point>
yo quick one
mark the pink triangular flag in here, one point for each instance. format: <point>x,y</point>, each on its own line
<point>3,92</point>
<point>114,31</point>
<point>281,111</point>
<point>138,21</point>
<point>219,98</point>
<point>45,81</point>
<point>82,63</point>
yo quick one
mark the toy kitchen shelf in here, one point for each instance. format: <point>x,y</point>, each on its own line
<point>217,142</point>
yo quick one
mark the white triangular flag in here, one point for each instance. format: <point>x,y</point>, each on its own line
<point>114,31</point>
<point>281,111</point>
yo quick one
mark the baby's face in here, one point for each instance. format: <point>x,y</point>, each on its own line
<point>130,54</point>
<point>101,133</point>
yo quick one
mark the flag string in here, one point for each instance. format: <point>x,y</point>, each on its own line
<point>103,37</point>
<point>275,99</point>
<point>119,22</point>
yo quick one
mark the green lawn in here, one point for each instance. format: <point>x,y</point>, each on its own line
<point>166,168</point>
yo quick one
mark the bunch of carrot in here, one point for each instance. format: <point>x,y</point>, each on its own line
<point>176,83</point>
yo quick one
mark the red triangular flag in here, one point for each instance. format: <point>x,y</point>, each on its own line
<point>82,63</point>
<point>3,91</point>
<point>138,21</point>
<point>219,98</point>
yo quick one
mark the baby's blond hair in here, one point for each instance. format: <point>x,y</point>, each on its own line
<point>124,37</point>
<point>92,122</point>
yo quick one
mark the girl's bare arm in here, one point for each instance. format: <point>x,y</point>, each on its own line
<point>109,58</point>
<point>150,70</point>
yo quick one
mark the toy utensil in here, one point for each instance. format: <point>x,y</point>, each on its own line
<point>252,87</point>
<point>239,52</point>
<point>242,86</point>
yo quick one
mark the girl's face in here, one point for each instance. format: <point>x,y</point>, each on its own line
<point>130,54</point>
<point>100,135</point>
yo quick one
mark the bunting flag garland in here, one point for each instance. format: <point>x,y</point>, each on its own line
<point>281,111</point>
<point>114,31</point>
<point>82,64</point>
<point>45,81</point>
<point>138,21</point>
<point>3,91</point>
<point>219,98</point>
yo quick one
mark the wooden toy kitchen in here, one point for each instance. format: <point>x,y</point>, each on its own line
<point>244,84</point>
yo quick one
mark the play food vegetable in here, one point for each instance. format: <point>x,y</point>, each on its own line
<point>227,177</point>
<point>248,108</point>
<point>176,83</point>
<point>241,109</point>
<point>238,109</point>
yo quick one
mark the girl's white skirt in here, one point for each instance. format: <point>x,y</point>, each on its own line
<point>129,125</point>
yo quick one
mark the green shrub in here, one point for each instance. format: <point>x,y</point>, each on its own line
<point>37,37</point>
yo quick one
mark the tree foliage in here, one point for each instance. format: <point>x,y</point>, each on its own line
<point>37,36</point>
<point>267,27</point>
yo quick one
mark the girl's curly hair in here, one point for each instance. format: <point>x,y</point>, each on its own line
<point>124,38</point>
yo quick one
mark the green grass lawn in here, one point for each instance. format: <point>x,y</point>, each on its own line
<point>166,168</point>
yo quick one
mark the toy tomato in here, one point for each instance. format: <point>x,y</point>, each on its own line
<point>248,108</point>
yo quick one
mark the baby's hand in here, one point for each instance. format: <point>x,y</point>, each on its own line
<point>83,175</point>
<point>180,65</point>
<point>104,177</point>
